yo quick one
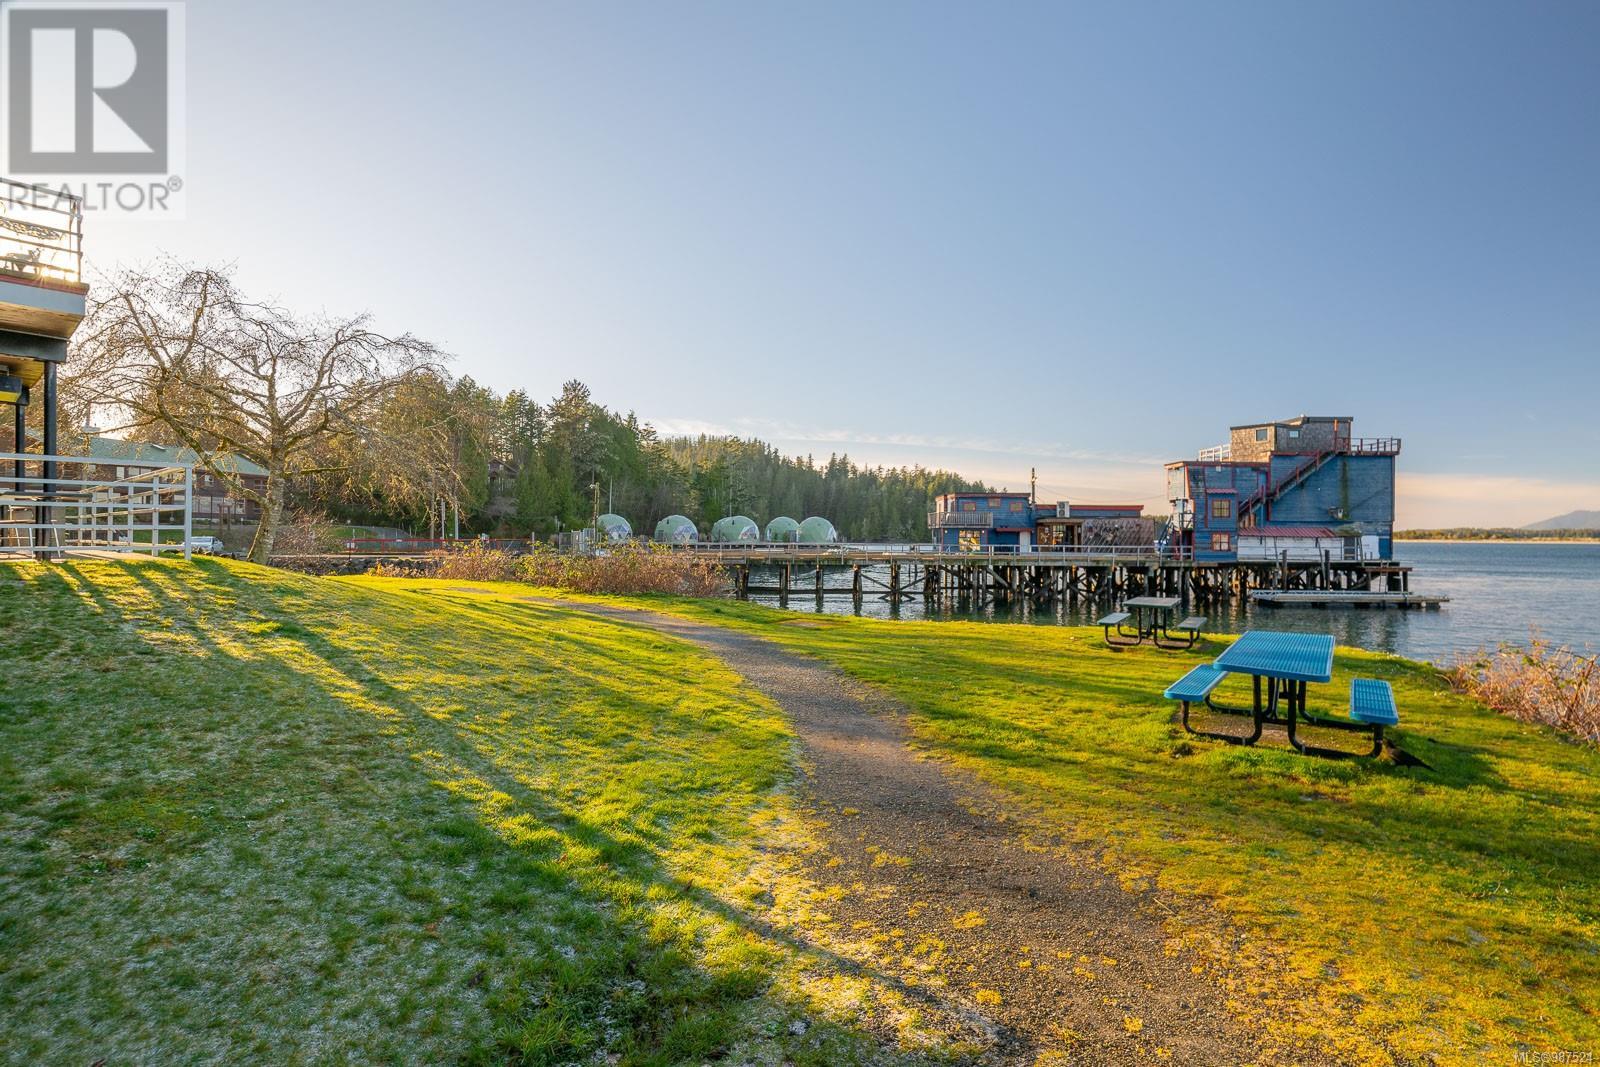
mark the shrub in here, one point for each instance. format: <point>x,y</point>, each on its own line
<point>622,570</point>
<point>1543,683</point>
<point>305,533</point>
<point>477,563</point>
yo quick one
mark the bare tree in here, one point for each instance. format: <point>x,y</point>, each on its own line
<point>181,351</point>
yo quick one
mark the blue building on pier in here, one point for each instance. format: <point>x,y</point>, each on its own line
<point>1015,521</point>
<point>1302,489</point>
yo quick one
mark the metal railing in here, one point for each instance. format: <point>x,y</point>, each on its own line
<point>1360,446</point>
<point>73,509</point>
<point>1019,553</point>
<point>969,520</point>
<point>41,233</point>
<point>1375,446</point>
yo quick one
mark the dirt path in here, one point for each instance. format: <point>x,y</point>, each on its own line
<point>1078,964</point>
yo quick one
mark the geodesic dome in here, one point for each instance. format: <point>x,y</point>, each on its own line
<point>818,531</point>
<point>783,530</point>
<point>677,530</point>
<point>614,528</point>
<point>735,528</point>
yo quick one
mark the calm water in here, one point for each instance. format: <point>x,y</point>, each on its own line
<point>1498,592</point>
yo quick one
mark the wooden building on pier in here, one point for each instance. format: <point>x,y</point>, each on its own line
<point>1304,486</point>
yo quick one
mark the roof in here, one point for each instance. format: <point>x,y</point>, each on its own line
<point>110,448</point>
<point>1296,421</point>
<point>981,493</point>
<point>1286,531</point>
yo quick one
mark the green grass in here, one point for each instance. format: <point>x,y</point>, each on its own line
<point>1445,915</point>
<point>249,815</point>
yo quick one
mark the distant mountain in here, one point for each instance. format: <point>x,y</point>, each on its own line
<point>1572,520</point>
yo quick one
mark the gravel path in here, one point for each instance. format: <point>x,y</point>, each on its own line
<point>1053,951</point>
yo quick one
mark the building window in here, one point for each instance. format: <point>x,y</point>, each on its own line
<point>994,502</point>
<point>1261,434</point>
<point>969,505</point>
<point>1221,509</point>
<point>967,541</point>
<point>1016,505</point>
<point>1221,542</point>
<point>1294,433</point>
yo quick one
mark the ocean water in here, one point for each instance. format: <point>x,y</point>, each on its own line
<point>1498,593</point>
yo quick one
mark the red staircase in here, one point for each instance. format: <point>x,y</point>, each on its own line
<point>1269,492</point>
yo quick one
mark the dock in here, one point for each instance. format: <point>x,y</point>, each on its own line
<point>1091,575</point>
<point>1345,599</point>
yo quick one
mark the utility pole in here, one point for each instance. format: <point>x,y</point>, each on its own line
<point>1033,486</point>
<point>594,523</point>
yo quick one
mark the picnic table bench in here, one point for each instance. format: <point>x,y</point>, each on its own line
<point>1283,665</point>
<point>1150,615</point>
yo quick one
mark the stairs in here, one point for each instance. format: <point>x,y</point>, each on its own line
<point>1268,493</point>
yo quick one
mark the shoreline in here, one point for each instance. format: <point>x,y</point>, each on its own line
<point>1497,541</point>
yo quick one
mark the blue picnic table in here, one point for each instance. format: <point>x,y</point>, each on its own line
<point>1281,666</point>
<point>1288,662</point>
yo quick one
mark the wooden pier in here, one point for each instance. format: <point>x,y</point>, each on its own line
<point>1089,576</point>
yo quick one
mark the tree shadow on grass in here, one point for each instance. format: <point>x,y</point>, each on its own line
<point>686,1009</point>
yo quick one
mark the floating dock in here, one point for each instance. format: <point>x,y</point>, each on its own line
<point>1333,598</point>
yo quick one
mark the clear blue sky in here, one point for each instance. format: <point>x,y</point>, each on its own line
<point>1082,237</point>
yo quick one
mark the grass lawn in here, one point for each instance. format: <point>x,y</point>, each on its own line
<point>246,813</point>
<point>249,815</point>
<point>1449,915</point>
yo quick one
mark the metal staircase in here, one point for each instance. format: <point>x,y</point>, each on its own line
<point>1254,505</point>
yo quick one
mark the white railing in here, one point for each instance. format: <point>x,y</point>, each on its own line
<point>1219,454</point>
<point>963,519</point>
<point>51,505</point>
<point>41,233</point>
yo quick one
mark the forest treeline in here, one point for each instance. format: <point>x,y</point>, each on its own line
<point>522,467</point>
<point>1495,533</point>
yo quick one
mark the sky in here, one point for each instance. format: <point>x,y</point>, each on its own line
<point>1082,238</point>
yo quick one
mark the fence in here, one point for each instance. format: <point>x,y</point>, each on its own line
<point>388,546</point>
<point>846,552</point>
<point>79,503</point>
